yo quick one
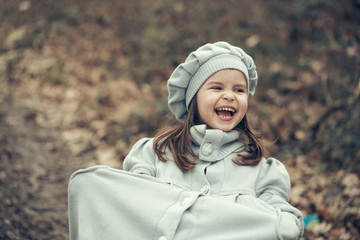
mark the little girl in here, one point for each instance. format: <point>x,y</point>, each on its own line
<point>204,179</point>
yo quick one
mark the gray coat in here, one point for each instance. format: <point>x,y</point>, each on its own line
<point>152,199</point>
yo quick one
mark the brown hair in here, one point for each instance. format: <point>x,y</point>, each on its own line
<point>177,139</point>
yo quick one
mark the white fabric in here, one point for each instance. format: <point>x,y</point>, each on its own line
<point>216,200</point>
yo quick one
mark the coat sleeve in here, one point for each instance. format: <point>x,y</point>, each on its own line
<point>273,187</point>
<point>141,158</point>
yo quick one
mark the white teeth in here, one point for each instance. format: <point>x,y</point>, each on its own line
<point>226,109</point>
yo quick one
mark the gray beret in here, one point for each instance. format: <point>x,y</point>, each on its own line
<point>189,76</point>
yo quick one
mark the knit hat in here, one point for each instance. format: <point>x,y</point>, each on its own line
<point>189,76</point>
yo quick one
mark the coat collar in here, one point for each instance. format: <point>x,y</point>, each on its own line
<point>214,144</point>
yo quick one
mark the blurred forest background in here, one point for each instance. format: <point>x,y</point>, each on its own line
<point>81,81</point>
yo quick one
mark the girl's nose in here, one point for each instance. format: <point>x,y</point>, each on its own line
<point>228,96</point>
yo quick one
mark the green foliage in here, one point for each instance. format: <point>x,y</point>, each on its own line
<point>55,73</point>
<point>337,136</point>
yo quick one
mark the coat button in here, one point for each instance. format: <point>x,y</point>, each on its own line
<point>205,189</point>
<point>206,149</point>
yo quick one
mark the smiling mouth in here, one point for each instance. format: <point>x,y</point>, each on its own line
<point>225,112</point>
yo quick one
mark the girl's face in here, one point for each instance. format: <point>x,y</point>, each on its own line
<point>222,100</point>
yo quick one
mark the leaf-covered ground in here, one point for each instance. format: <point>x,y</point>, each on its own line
<point>81,81</point>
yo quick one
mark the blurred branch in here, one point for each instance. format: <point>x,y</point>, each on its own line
<point>337,106</point>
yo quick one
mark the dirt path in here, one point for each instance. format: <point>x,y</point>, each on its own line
<point>35,167</point>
